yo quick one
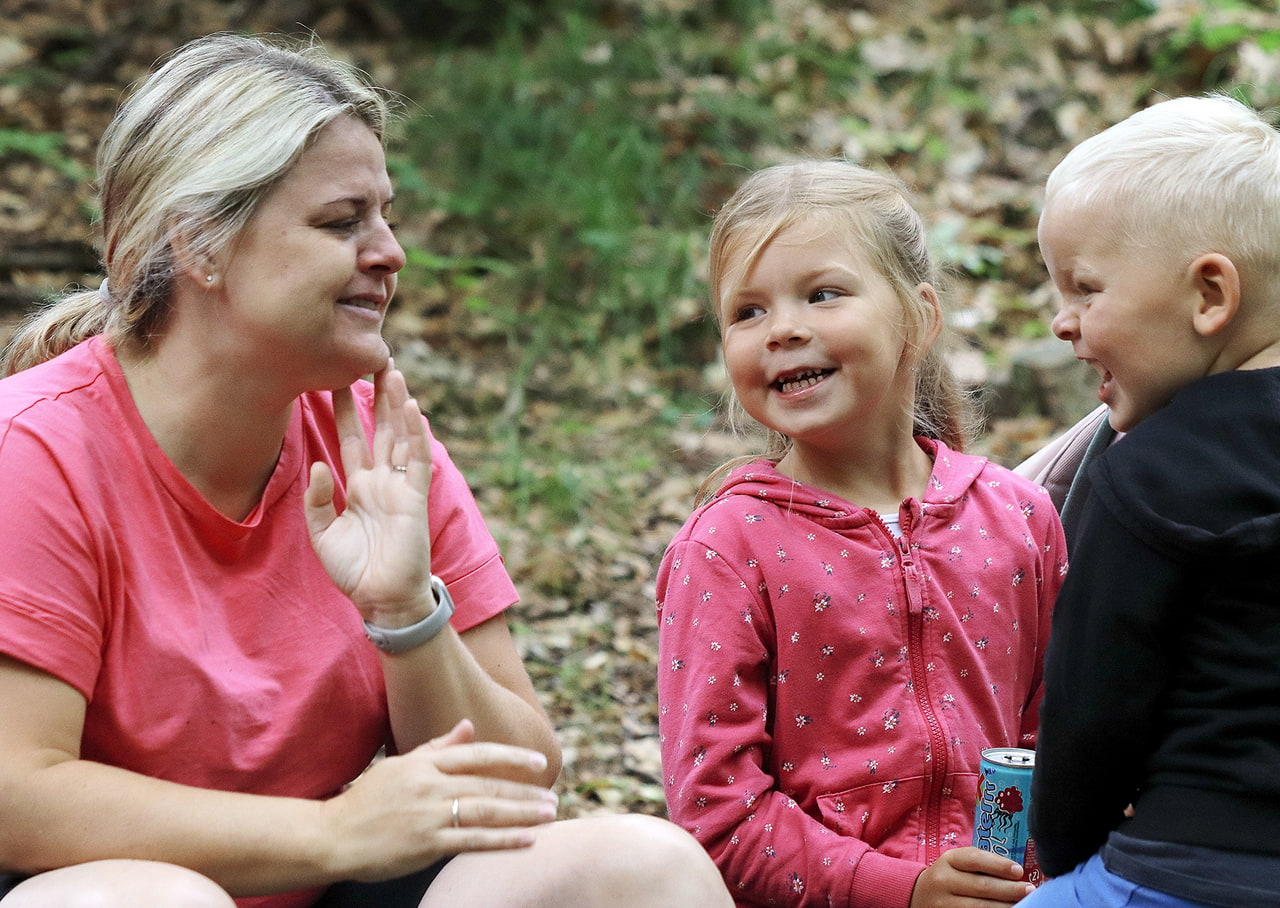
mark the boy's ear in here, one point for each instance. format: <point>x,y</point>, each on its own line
<point>1217,282</point>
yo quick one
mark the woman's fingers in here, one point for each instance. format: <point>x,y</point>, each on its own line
<point>482,758</point>
<point>400,437</point>
<point>461,733</point>
<point>320,510</point>
<point>377,550</point>
<point>400,813</point>
<point>489,812</point>
<point>383,433</point>
<point>351,438</point>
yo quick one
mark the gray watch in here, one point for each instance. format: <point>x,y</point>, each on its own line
<point>402,639</point>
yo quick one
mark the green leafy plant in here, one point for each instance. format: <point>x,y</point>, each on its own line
<point>564,155</point>
<point>1121,11</point>
<point>1202,53</point>
<point>46,148</point>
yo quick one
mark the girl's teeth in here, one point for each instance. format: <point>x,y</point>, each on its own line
<point>804,381</point>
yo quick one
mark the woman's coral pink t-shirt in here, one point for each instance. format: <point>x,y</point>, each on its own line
<point>210,652</point>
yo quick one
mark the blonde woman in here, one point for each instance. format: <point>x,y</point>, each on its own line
<point>231,571</point>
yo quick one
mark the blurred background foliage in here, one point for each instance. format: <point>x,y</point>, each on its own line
<point>568,156</point>
<point>556,167</point>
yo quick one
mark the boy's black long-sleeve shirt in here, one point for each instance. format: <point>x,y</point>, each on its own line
<point>1162,683</point>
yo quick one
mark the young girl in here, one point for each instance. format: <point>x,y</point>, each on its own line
<point>852,618</point>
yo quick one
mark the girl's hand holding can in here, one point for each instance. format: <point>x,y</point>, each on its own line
<point>969,876</point>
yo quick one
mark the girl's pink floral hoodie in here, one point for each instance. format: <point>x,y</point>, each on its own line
<point>826,689</point>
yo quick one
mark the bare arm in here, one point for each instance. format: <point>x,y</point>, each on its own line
<point>57,809</point>
<point>476,675</point>
<point>378,552</point>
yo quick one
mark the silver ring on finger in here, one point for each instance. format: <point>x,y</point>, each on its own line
<point>457,821</point>
<point>400,469</point>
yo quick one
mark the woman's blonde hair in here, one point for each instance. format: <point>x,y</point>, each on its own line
<point>191,154</point>
<point>874,210</point>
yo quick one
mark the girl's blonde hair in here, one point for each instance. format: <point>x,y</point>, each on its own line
<point>191,155</point>
<point>873,209</point>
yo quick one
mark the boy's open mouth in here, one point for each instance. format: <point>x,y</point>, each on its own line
<point>1104,375</point>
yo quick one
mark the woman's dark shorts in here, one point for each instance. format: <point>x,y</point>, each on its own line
<point>405,892</point>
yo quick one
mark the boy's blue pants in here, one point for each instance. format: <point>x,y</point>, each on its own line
<point>1092,886</point>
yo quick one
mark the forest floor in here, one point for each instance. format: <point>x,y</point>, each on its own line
<point>970,100</point>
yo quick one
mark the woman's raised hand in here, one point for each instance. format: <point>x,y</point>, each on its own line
<point>378,550</point>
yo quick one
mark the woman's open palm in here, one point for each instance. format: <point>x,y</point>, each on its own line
<point>378,550</point>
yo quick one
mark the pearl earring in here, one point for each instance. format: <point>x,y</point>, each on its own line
<point>208,278</point>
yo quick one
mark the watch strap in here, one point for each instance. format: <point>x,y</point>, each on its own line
<point>402,639</point>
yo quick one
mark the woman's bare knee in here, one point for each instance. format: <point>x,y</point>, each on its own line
<point>662,864</point>
<point>630,861</point>
<point>119,884</point>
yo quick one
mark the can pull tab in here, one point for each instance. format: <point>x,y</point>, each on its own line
<point>1011,756</point>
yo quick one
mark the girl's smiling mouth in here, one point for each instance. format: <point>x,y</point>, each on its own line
<point>798,381</point>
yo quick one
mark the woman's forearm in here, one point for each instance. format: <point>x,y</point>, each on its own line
<point>477,675</point>
<point>75,811</point>
<point>395,819</point>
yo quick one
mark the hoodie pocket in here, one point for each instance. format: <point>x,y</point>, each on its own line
<point>890,815</point>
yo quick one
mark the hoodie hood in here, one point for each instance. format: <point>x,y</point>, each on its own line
<point>953,473</point>
<point>1202,474</point>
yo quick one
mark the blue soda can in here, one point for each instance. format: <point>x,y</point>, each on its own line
<point>1000,816</point>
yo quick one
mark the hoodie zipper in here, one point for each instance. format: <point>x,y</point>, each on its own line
<point>936,765</point>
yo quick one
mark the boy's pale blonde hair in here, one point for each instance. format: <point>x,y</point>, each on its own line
<point>1185,176</point>
<point>874,212</point>
<point>192,153</point>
